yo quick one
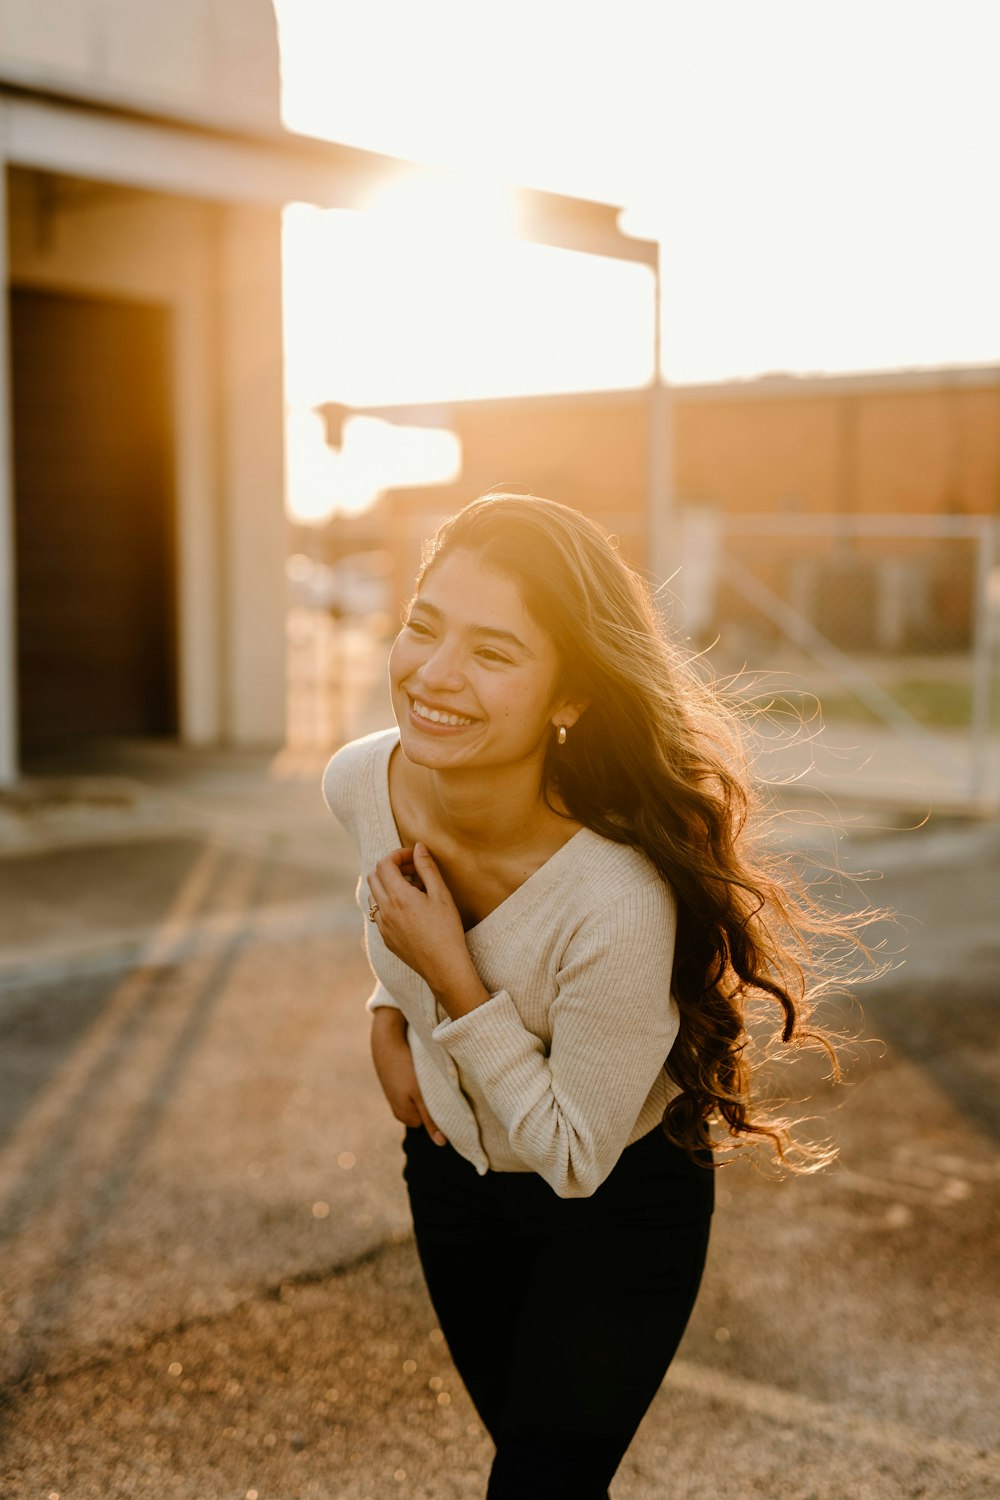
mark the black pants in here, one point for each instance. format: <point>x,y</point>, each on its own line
<point>561,1314</point>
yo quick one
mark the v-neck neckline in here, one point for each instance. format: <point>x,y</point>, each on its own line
<point>510,904</point>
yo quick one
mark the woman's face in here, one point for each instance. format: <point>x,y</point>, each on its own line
<point>474,680</point>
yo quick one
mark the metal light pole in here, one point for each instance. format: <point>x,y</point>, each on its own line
<point>662,541</point>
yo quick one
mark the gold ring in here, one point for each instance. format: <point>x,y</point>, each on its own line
<point>372,910</point>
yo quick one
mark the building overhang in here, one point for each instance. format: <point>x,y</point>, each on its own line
<point>156,153</point>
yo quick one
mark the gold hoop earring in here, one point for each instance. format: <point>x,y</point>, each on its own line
<point>561,736</point>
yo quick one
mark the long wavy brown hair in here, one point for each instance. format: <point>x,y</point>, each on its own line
<point>656,761</point>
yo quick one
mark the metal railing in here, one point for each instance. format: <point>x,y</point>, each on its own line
<point>886,620</point>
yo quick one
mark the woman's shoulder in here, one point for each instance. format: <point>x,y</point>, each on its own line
<point>605,872</point>
<point>349,777</point>
<point>613,900</point>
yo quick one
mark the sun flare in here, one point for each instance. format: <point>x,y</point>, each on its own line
<point>818,178</point>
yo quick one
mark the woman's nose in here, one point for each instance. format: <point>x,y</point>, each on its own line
<point>443,668</point>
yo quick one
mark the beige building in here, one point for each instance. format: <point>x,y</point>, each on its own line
<point>144,585</point>
<point>143,169</point>
<point>922,444</point>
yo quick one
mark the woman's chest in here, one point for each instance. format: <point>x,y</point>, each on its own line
<point>479,881</point>
<point>480,886</point>
<point>519,947</point>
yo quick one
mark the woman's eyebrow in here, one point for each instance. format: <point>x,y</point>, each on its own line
<point>490,630</point>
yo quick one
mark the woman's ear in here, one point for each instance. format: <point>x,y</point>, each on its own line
<point>566,714</point>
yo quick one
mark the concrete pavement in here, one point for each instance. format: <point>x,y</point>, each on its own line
<point>210,1290</point>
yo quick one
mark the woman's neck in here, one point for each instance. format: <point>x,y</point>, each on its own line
<point>500,809</point>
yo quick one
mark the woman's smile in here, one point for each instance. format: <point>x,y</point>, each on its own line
<point>437,718</point>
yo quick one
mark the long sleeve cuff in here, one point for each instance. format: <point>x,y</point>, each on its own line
<point>494,1046</point>
<point>380,999</point>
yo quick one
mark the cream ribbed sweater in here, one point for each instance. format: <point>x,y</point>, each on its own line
<point>563,1067</point>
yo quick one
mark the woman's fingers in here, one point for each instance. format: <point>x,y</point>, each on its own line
<point>377,896</point>
<point>409,872</point>
<point>388,880</point>
<point>419,923</point>
<point>400,861</point>
<point>397,876</point>
<point>413,1111</point>
<point>410,866</point>
<point>437,1136</point>
<point>404,870</point>
<point>407,1113</point>
<point>396,870</point>
<point>426,867</point>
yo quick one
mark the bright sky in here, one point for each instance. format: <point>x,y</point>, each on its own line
<point>822,174</point>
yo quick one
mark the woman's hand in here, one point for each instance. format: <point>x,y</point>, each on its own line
<point>421,924</point>
<point>394,1065</point>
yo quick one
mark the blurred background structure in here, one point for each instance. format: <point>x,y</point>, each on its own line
<point>834,533</point>
<point>144,532</point>
<point>429,331</point>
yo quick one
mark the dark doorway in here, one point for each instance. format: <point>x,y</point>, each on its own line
<point>93,489</point>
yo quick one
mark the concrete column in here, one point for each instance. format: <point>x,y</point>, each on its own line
<point>8,621</point>
<point>200,518</point>
<point>253,477</point>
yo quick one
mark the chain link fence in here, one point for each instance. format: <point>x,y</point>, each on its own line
<point>882,629</point>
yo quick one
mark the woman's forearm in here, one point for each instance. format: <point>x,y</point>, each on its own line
<point>388,1022</point>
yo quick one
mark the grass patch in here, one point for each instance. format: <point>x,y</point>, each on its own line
<point>938,703</point>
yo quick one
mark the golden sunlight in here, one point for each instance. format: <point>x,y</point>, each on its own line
<point>429,297</point>
<point>817,177</point>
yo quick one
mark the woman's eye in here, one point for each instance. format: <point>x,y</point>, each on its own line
<point>418,627</point>
<point>488,654</point>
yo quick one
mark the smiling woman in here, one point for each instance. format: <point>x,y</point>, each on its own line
<point>568,921</point>
<point>473,677</point>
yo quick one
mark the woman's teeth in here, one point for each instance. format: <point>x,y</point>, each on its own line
<point>422,712</point>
